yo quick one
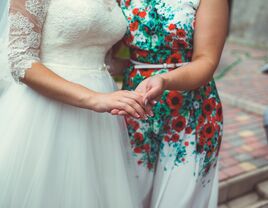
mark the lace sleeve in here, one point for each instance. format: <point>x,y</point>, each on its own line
<point>26,18</point>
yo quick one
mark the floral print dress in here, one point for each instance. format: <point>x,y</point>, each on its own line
<point>176,151</point>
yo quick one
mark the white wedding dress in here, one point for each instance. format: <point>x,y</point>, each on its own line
<point>53,155</point>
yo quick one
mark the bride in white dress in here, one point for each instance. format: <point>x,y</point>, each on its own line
<point>56,150</point>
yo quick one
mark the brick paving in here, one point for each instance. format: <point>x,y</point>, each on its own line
<point>244,147</point>
<point>242,78</point>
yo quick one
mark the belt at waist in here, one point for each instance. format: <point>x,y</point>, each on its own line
<point>96,68</point>
<point>140,65</point>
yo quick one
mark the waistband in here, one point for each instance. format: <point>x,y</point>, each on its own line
<point>140,65</point>
<point>97,68</point>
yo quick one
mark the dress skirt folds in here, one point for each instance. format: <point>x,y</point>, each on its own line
<point>55,155</point>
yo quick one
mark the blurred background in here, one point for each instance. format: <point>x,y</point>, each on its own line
<point>242,80</point>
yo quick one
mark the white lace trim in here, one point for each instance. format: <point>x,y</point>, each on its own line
<point>37,8</point>
<point>24,41</point>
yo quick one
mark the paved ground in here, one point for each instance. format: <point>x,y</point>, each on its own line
<point>244,92</point>
<point>244,146</point>
<point>239,75</point>
<point>243,89</point>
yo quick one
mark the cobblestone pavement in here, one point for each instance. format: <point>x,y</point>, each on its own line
<point>244,146</point>
<point>244,152</point>
<point>243,89</point>
<point>239,79</point>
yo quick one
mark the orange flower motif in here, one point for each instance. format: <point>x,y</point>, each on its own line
<point>146,73</point>
<point>134,26</point>
<point>142,14</point>
<point>174,58</point>
<point>136,11</point>
<point>172,27</point>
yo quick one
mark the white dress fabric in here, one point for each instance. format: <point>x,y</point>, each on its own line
<point>54,155</point>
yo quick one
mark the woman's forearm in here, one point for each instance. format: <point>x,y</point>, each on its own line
<point>53,86</point>
<point>209,38</point>
<point>191,76</point>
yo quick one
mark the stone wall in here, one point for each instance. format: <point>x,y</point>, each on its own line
<point>249,22</point>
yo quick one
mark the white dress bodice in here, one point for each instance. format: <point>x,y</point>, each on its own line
<point>64,32</point>
<point>81,33</point>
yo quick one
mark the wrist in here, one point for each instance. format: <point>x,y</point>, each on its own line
<point>165,79</point>
<point>89,100</point>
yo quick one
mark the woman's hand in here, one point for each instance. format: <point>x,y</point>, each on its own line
<point>129,102</point>
<point>152,88</point>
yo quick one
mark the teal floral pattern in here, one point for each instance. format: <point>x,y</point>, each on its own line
<point>186,124</point>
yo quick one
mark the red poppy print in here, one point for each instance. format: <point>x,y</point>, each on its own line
<point>134,26</point>
<point>219,112</point>
<point>208,106</point>
<point>174,100</point>
<point>172,27</point>
<point>142,14</point>
<point>189,120</point>
<point>181,33</point>
<point>138,137</point>
<point>175,138</point>
<point>174,58</point>
<point>208,130</point>
<point>179,123</point>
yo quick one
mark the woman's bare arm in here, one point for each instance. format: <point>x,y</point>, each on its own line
<point>210,34</point>
<point>25,35</point>
<point>53,86</point>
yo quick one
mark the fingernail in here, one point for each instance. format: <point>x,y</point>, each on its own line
<point>137,115</point>
<point>146,101</point>
<point>154,102</point>
<point>151,113</point>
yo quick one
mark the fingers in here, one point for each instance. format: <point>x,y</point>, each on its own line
<point>129,103</point>
<point>117,112</point>
<point>140,99</point>
<point>152,94</point>
<point>125,106</point>
<point>148,108</point>
<point>141,89</point>
<point>153,102</point>
<point>123,113</point>
<point>135,105</point>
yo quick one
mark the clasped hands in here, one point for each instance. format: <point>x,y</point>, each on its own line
<point>139,103</point>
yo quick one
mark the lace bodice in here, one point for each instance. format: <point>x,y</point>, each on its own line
<point>62,32</point>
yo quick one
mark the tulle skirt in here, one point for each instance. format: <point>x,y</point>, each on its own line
<point>53,155</point>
